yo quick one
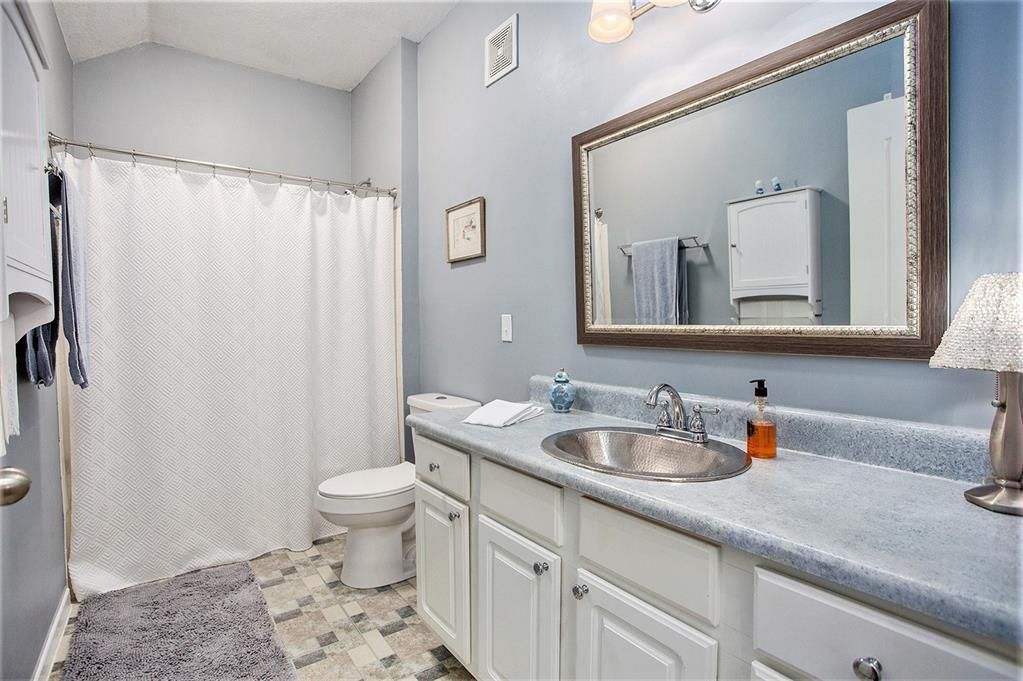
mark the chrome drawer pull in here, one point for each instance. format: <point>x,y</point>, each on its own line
<point>580,590</point>
<point>434,467</point>
<point>867,668</point>
<point>540,568</point>
<point>454,515</point>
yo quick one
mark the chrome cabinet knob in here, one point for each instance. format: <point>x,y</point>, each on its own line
<point>14,485</point>
<point>540,568</point>
<point>434,467</point>
<point>867,668</point>
<point>580,590</point>
<point>454,515</point>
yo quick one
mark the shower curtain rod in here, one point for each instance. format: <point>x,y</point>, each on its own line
<point>57,141</point>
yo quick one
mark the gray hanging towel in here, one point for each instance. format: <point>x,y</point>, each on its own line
<point>658,278</point>
<point>41,342</point>
<point>72,286</point>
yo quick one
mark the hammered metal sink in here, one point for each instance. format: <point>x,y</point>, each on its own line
<point>642,453</point>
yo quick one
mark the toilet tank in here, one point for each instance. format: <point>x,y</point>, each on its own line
<point>425,402</point>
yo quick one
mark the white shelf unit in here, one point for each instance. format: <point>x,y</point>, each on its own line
<point>774,249</point>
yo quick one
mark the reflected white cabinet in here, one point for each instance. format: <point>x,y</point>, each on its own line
<point>619,636</point>
<point>442,566</point>
<point>519,605</point>
<point>774,249</point>
<point>27,256</point>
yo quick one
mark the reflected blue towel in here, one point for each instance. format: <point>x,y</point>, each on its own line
<point>658,278</point>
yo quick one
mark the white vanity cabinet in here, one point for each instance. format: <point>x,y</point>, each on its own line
<point>552,584</point>
<point>26,287</point>
<point>519,605</point>
<point>774,247</point>
<point>619,636</point>
<point>442,567</point>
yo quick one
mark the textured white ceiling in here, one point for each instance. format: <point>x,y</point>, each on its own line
<point>329,43</point>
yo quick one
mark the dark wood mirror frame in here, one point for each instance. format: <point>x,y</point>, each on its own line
<point>931,76</point>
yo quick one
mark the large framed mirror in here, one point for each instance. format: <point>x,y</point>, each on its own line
<point>797,204</point>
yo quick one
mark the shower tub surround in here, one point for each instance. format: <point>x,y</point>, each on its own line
<point>905,537</point>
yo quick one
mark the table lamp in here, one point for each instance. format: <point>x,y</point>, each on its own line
<point>987,333</point>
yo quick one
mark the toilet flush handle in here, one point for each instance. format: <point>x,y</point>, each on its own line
<point>434,467</point>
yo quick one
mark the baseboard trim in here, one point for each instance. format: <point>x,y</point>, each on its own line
<point>49,650</point>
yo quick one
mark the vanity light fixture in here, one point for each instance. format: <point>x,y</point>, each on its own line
<point>612,21</point>
<point>987,333</point>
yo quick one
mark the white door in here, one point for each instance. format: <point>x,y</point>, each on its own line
<point>769,241</point>
<point>26,233</point>
<point>619,636</point>
<point>519,605</point>
<point>442,567</point>
<point>877,213</point>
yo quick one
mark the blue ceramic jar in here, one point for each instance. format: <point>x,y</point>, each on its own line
<point>562,393</point>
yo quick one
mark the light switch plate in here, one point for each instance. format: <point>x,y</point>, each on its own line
<point>506,328</point>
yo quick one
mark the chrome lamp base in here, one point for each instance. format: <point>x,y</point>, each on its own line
<point>996,498</point>
<point>1004,494</point>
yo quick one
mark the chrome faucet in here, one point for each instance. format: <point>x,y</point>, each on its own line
<point>673,421</point>
<point>674,414</point>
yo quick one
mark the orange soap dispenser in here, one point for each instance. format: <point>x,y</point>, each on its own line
<point>761,428</point>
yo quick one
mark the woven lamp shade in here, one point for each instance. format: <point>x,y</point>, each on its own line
<point>987,332</point>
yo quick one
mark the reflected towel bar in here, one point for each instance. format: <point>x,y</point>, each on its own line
<point>696,243</point>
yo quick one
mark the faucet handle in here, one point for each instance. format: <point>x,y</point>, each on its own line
<point>696,423</point>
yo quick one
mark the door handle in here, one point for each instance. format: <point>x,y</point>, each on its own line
<point>14,485</point>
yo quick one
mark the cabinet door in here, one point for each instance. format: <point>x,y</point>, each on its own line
<point>519,605</point>
<point>769,242</point>
<point>619,636</point>
<point>26,234</point>
<point>442,567</point>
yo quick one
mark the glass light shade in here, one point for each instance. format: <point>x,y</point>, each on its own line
<point>610,20</point>
<point>987,332</point>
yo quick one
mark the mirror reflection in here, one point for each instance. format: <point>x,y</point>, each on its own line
<point>784,205</point>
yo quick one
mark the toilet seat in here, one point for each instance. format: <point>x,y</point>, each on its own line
<point>370,483</point>
<point>369,491</point>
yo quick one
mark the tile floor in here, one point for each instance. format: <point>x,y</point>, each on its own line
<point>331,631</point>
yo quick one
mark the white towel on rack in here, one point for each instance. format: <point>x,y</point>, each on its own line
<point>499,413</point>
<point>601,273</point>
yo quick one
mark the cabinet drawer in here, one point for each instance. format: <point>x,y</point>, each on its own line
<point>443,467</point>
<point>680,569</point>
<point>822,634</point>
<point>526,503</point>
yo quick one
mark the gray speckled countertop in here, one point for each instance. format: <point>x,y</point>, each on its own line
<point>909,539</point>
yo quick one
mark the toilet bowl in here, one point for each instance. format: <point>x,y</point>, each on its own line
<point>377,506</point>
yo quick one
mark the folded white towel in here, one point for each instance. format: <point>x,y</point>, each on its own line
<point>499,413</point>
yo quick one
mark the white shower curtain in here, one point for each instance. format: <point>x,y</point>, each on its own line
<point>243,349</point>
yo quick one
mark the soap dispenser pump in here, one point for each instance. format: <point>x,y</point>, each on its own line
<point>761,425</point>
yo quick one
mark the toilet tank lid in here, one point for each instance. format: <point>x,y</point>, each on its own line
<point>372,482</point>
<point>439,401</point>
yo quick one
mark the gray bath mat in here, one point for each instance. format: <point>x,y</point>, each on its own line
<point>209,625</point>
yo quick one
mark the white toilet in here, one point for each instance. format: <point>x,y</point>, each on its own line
<point>377,506</point>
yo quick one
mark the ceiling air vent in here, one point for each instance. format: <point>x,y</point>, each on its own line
<point>501,51</point>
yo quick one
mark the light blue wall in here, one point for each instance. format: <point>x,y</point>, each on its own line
<point>32,570</point>
<point>385,147</point>
<point>169,101</point>
<point>510,143</point>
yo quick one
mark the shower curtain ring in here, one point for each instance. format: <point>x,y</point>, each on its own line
<point>133,157</point>
<point>250,174</point>
<point>280,178</point>
<point>92,154</point>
